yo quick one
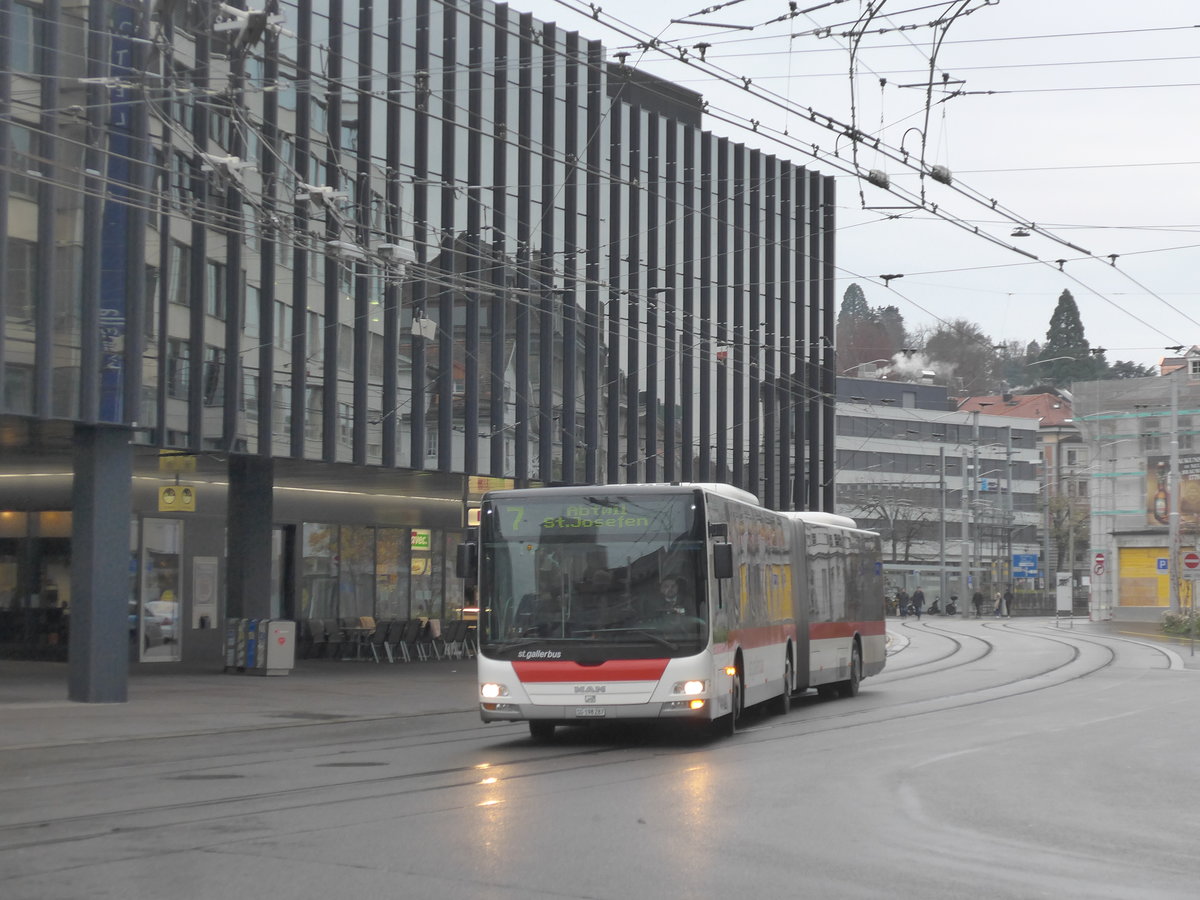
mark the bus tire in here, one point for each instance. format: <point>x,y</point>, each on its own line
<point>727,725</point>
<point>541,731</point>
<point>849,687</point>
<point>782,704</point>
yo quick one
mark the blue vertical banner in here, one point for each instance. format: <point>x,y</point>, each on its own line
<point>114,240</point>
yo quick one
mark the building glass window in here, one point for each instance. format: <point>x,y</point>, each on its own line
<point>18,389</point>
<point>313,407</point>
<point>22,159</point>
<point>283,325</point>
<point>214,375</point>
<point>281,413</point>
<point>1151,435</point>
<point>19,279</point>
<point>250,395</point>
<point>316,336</point>
<point>25,39</point>
<point>179,286</point>
<point>178,354</point>
<point>214,290</point>
<point>150,309</point>
<point>250,313</point>
<point>345,348</point>
<point>181,180</point>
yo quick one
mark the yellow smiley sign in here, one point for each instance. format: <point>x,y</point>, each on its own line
<point>177,498</point>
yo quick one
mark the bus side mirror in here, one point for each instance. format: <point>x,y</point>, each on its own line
<point>723,560</point>
<point>466,562</point>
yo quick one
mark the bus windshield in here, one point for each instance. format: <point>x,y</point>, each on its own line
<point>592,577</point>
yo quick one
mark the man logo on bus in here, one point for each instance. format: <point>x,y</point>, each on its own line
<point>589,689</point>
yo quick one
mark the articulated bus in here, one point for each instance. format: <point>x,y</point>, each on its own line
<point>666,602</point>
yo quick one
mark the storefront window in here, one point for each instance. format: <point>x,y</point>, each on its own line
<point>391,574</point>
<point>318,580</point>
<point>357,572</point>
<point>388,573</point>
<point>453,593</point>
<point>425,573</point>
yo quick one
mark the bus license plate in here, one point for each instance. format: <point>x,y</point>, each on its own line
<point>589,712</point>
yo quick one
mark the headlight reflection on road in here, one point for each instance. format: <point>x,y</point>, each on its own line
<point>488,781</point>
<point>490,825</point>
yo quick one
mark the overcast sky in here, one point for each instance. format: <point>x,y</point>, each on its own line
<point>1079,117</point>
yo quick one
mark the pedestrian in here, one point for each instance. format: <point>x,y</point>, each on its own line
<point>998,605</point>
<point>918,602</point>
<point>977,602</point>
<point>902,602</point>
<point>1008,601</point>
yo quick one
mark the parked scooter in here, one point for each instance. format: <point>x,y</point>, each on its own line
<point>952,606</point>
<point>935,608</point>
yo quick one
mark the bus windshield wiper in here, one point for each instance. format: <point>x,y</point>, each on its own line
<point>500,646</point>
<point>515,642</point>
<point>642,632</point>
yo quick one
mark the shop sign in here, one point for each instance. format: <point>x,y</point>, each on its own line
<point>177,498</point>
<point>175,461</point>
<point>481,484</point>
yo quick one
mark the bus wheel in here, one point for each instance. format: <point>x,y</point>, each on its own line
<point>849,687</point>
<point>782,705</point>
<point>726,726</point>
<point>541,731</point>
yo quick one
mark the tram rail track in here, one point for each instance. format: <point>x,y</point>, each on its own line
<point>1087,656</point>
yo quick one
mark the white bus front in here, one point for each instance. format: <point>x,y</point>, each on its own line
<point>594,606</point>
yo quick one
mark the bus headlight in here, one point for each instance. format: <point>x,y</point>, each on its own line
<point>492,690</point>
<point>694,686</point>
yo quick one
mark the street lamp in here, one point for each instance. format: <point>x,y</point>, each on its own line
<point>1039,362</point>
<point>869,362</point>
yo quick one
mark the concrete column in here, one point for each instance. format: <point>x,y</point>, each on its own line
<point>98,666</point>
<point>248,526</point>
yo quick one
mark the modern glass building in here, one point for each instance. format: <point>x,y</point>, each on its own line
<point>337,268</point>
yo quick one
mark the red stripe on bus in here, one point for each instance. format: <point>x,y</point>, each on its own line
<point>843,629</point>
<point>762,635</point>
<point>529,671</point>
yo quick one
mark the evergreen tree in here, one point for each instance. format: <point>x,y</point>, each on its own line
<point>893,325</point>
<point>1067,354</point>
<point>864,333</point>
<point>854,306</point>
<point>1124,368</point>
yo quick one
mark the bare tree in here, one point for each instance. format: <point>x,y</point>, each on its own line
<point>898,519</point>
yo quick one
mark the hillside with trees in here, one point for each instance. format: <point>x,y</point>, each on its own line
<point>961,356</point>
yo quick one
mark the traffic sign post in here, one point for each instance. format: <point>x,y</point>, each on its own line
<point>1191,565</point>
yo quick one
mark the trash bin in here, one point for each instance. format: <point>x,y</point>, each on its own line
<point>260,646</point>
<point>275,647</point>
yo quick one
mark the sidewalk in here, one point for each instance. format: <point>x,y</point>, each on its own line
<point>170,701</point>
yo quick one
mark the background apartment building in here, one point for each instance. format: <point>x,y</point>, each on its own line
<point>955,494</point>
<point>1142,470</point>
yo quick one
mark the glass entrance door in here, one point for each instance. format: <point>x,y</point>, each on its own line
<point>159,626</point>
